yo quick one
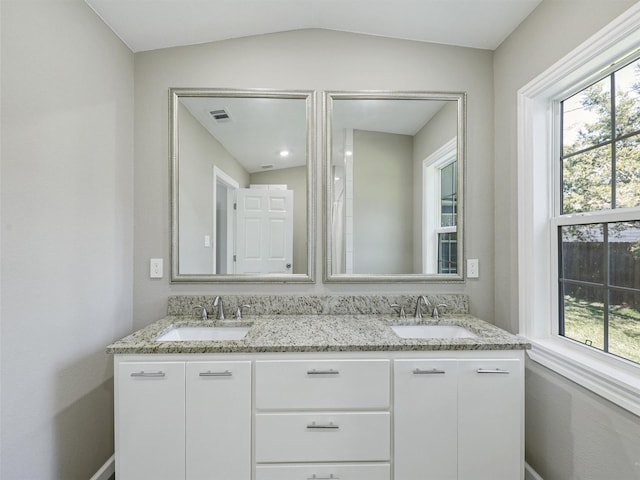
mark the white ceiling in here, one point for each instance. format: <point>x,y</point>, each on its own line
<point>153,24</point>
<point>258,129</point>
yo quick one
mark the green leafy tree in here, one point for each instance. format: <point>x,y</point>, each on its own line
<point>588,176</point>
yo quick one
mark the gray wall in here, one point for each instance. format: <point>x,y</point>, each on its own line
<point>571,433</point>
<point>308,60</point>
<point>67,234</point>
<point>198,153</point>
<point>382,202</point>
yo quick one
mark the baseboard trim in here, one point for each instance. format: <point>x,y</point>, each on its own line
<point>108,469</point>
<point>530,473</point>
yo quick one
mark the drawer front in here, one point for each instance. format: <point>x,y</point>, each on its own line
<point>380,471</point>
<point>322,384</point>
<point>322,437</point>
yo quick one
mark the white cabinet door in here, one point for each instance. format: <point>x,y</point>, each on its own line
<point>150,421</point>
<point>490,425</point>
<point>426,412</point>
<point>218,420</point>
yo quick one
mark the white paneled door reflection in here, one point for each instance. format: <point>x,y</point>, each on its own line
<point>264,242</point>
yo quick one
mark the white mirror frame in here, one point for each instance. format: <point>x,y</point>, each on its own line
<point>310,99</point>
<point>328,98</point>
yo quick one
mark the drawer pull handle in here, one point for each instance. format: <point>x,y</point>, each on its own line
<point>433,371</point>
<point>148,374</point>
<point>330,477</point>
<point>493,370</point>
<point>209,373</point>
<point>331,371</point>
<point>323,426</point>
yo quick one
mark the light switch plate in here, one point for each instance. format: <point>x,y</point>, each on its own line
<point>473,268</point>
<point>155,268</point>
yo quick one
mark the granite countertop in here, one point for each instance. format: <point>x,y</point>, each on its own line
<point>317,333</point>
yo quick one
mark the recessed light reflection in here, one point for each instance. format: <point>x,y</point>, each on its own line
<point>284,153</point>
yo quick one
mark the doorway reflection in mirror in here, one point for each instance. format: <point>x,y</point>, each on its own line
<point>395,182</point>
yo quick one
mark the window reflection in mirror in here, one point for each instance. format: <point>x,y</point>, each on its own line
<point>394,183</point>
<point>241,197</point>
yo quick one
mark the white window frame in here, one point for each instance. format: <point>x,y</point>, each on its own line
<point>431,202</point>
<point>613,378</point>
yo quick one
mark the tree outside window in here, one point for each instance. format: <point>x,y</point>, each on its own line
<point>599,262</point>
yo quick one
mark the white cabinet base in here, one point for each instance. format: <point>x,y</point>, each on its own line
<point>300,416</point>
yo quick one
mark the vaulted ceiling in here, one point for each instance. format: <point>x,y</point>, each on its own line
<point>153,24</point>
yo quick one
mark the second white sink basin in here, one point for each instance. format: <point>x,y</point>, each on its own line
<point>195,334</point>
<point>432,331</point>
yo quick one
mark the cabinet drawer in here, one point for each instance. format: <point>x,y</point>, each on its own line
<point>323,472</point>
<point>322,384</point>
<point>322,437</point>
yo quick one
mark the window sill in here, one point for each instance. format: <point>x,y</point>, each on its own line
<point>615,380</point>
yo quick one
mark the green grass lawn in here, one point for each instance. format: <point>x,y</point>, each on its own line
<point>584,322</point>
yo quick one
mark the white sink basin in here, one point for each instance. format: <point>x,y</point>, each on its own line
<point>432,331</point>
<point>195,334</point>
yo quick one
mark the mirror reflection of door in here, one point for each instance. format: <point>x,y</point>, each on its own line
<point>224,187</point>
<point>264,219</point>
<point>225,141</point>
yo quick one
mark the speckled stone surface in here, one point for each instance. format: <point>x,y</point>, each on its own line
<point>315,305</point>
<point>317,333</point>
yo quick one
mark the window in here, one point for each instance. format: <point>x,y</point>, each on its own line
<point>446,231</point>
<point>440,187</point>
<point>599,263</point>
<point>578,214</point>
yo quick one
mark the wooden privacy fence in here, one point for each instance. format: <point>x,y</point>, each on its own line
<point>585,261</point>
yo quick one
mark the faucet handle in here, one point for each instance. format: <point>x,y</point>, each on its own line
<point>437,310</point>
<point>402,312</point>
<point>238,314</point>
<point>203,311</point>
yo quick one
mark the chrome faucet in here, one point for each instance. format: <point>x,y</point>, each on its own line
<point>220,312</point>
<point>422,300</point>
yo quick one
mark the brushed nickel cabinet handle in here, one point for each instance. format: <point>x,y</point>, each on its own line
<point>209,373</point>
<point>149,374</point>
<point>493,370</point>
<point>433,371</point>
<point>323,426</point>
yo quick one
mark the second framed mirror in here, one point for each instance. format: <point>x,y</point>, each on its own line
<point>394,186</point>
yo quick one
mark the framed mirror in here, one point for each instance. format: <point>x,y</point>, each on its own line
<point>394,186</point>
<point>242,185</point>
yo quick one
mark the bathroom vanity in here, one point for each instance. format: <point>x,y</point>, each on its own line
<point>334,396</point>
